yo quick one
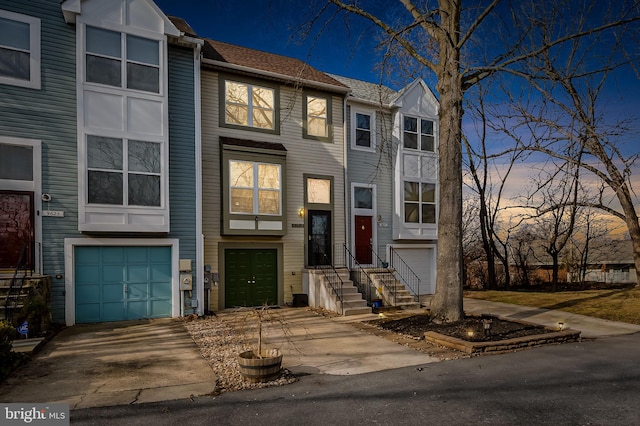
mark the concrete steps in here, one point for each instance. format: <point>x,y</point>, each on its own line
<point>32,285</point>
<point>352,300</point>
<point>392,291</point>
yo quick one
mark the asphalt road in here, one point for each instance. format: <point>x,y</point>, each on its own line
<point>588,383</point>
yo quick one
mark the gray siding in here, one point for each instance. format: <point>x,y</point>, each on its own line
<point>49,114</point>
<point>374,168</point>
<point>182,153</point>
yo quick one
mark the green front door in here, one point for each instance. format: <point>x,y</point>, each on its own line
<point>251,277</point>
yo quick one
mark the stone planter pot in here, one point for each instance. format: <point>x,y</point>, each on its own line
<point>260,369</point>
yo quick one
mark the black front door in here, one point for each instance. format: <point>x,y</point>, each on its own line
<point>319,236</point>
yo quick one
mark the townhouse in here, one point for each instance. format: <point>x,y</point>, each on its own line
<point>99,149</point>
<point>151,173</point>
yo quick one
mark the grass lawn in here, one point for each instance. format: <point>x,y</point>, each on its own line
<point>612,304</point>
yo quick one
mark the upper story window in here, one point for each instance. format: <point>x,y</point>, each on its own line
<point>249,104</point>
<point>19,50</point>
<point>123,172</point>
<point>255,188</point>
<point>418,134</point>
<point>362,130</point>
<point>419,202</point>
<point>317,116</point>
<point>122,60</point>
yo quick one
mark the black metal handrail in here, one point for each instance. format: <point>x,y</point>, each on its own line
<point>16,284</point>
<point>403,271</point>
<point>333,279</point>
<point>384,265</point>
<point>356,273</point>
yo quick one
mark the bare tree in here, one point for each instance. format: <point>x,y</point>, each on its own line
<point>570,115</point>
<point>448,38</point>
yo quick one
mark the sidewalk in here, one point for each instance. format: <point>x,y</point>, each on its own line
<point>589,326</point>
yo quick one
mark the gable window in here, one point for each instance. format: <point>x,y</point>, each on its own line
<point>19,50</point>
<point>418,134</point>
<point>120,166</point>
<point>419,202</point>
<point>249,105</point>
<point>317,117</point>
<point>113,58</point>
<point>255,188</point>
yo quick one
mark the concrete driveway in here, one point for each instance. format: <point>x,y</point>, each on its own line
<point>113,364</point>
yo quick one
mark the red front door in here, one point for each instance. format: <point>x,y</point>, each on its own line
<point>16,228</point>
<point>364,239</point>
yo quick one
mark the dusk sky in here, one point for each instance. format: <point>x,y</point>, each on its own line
<point>270,26</point>
<point>348,48</point>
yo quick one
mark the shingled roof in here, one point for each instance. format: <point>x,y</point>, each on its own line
<point>291,68</point>
<point>368,92</point>
<point>182,26</point>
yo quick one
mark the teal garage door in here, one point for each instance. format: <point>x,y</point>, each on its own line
<point>122,283</point>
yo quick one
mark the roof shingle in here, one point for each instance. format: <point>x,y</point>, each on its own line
<point>293,68</point>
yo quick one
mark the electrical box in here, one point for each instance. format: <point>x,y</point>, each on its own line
<point>185,265</point>
<point>186,282</point>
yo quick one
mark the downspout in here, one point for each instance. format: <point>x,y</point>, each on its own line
<point>347,203</point>
<point>198,160</point>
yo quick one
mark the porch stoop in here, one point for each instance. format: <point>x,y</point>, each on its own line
<point>33,286</point>
<point>352,301</point>
<point>386,285</point>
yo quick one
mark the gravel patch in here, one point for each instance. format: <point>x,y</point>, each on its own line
<point>220,339</point>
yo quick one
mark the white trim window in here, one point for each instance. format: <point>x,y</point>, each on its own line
<point>124,172</point>
<point>113,58</point>
<point>418,133</point>
<point>419,202</point>
<point>19,50</point>
<point>255,188</point>
<point>249,105</point>
<point>363,135</point>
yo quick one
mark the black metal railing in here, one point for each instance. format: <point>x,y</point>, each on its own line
<point>14,291</point>
<point>359,275</point>
<point>333,280</point>
<point>404,273</point>
<point>382,267</point>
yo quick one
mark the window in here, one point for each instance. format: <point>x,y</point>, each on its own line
<point>121,166</point>
<point>16,162</point>
<point>419,202</point>
<point>19,50</point>
<point>418,134</point>
<point>318,191</point>
<point>317,116</point>
<point>255,188</point>
<point>362,129</point>
<point>110,61</point>
<point>363,198</point>
<point>249,105</point>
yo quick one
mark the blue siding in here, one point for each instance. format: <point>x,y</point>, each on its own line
<point>49,114</point>
<point>182,153</point>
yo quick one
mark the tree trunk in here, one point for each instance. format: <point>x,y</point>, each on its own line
<point>447,301</point>
<point>631,219</point>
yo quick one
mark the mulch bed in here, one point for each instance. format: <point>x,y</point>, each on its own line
<point>471,328</point>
